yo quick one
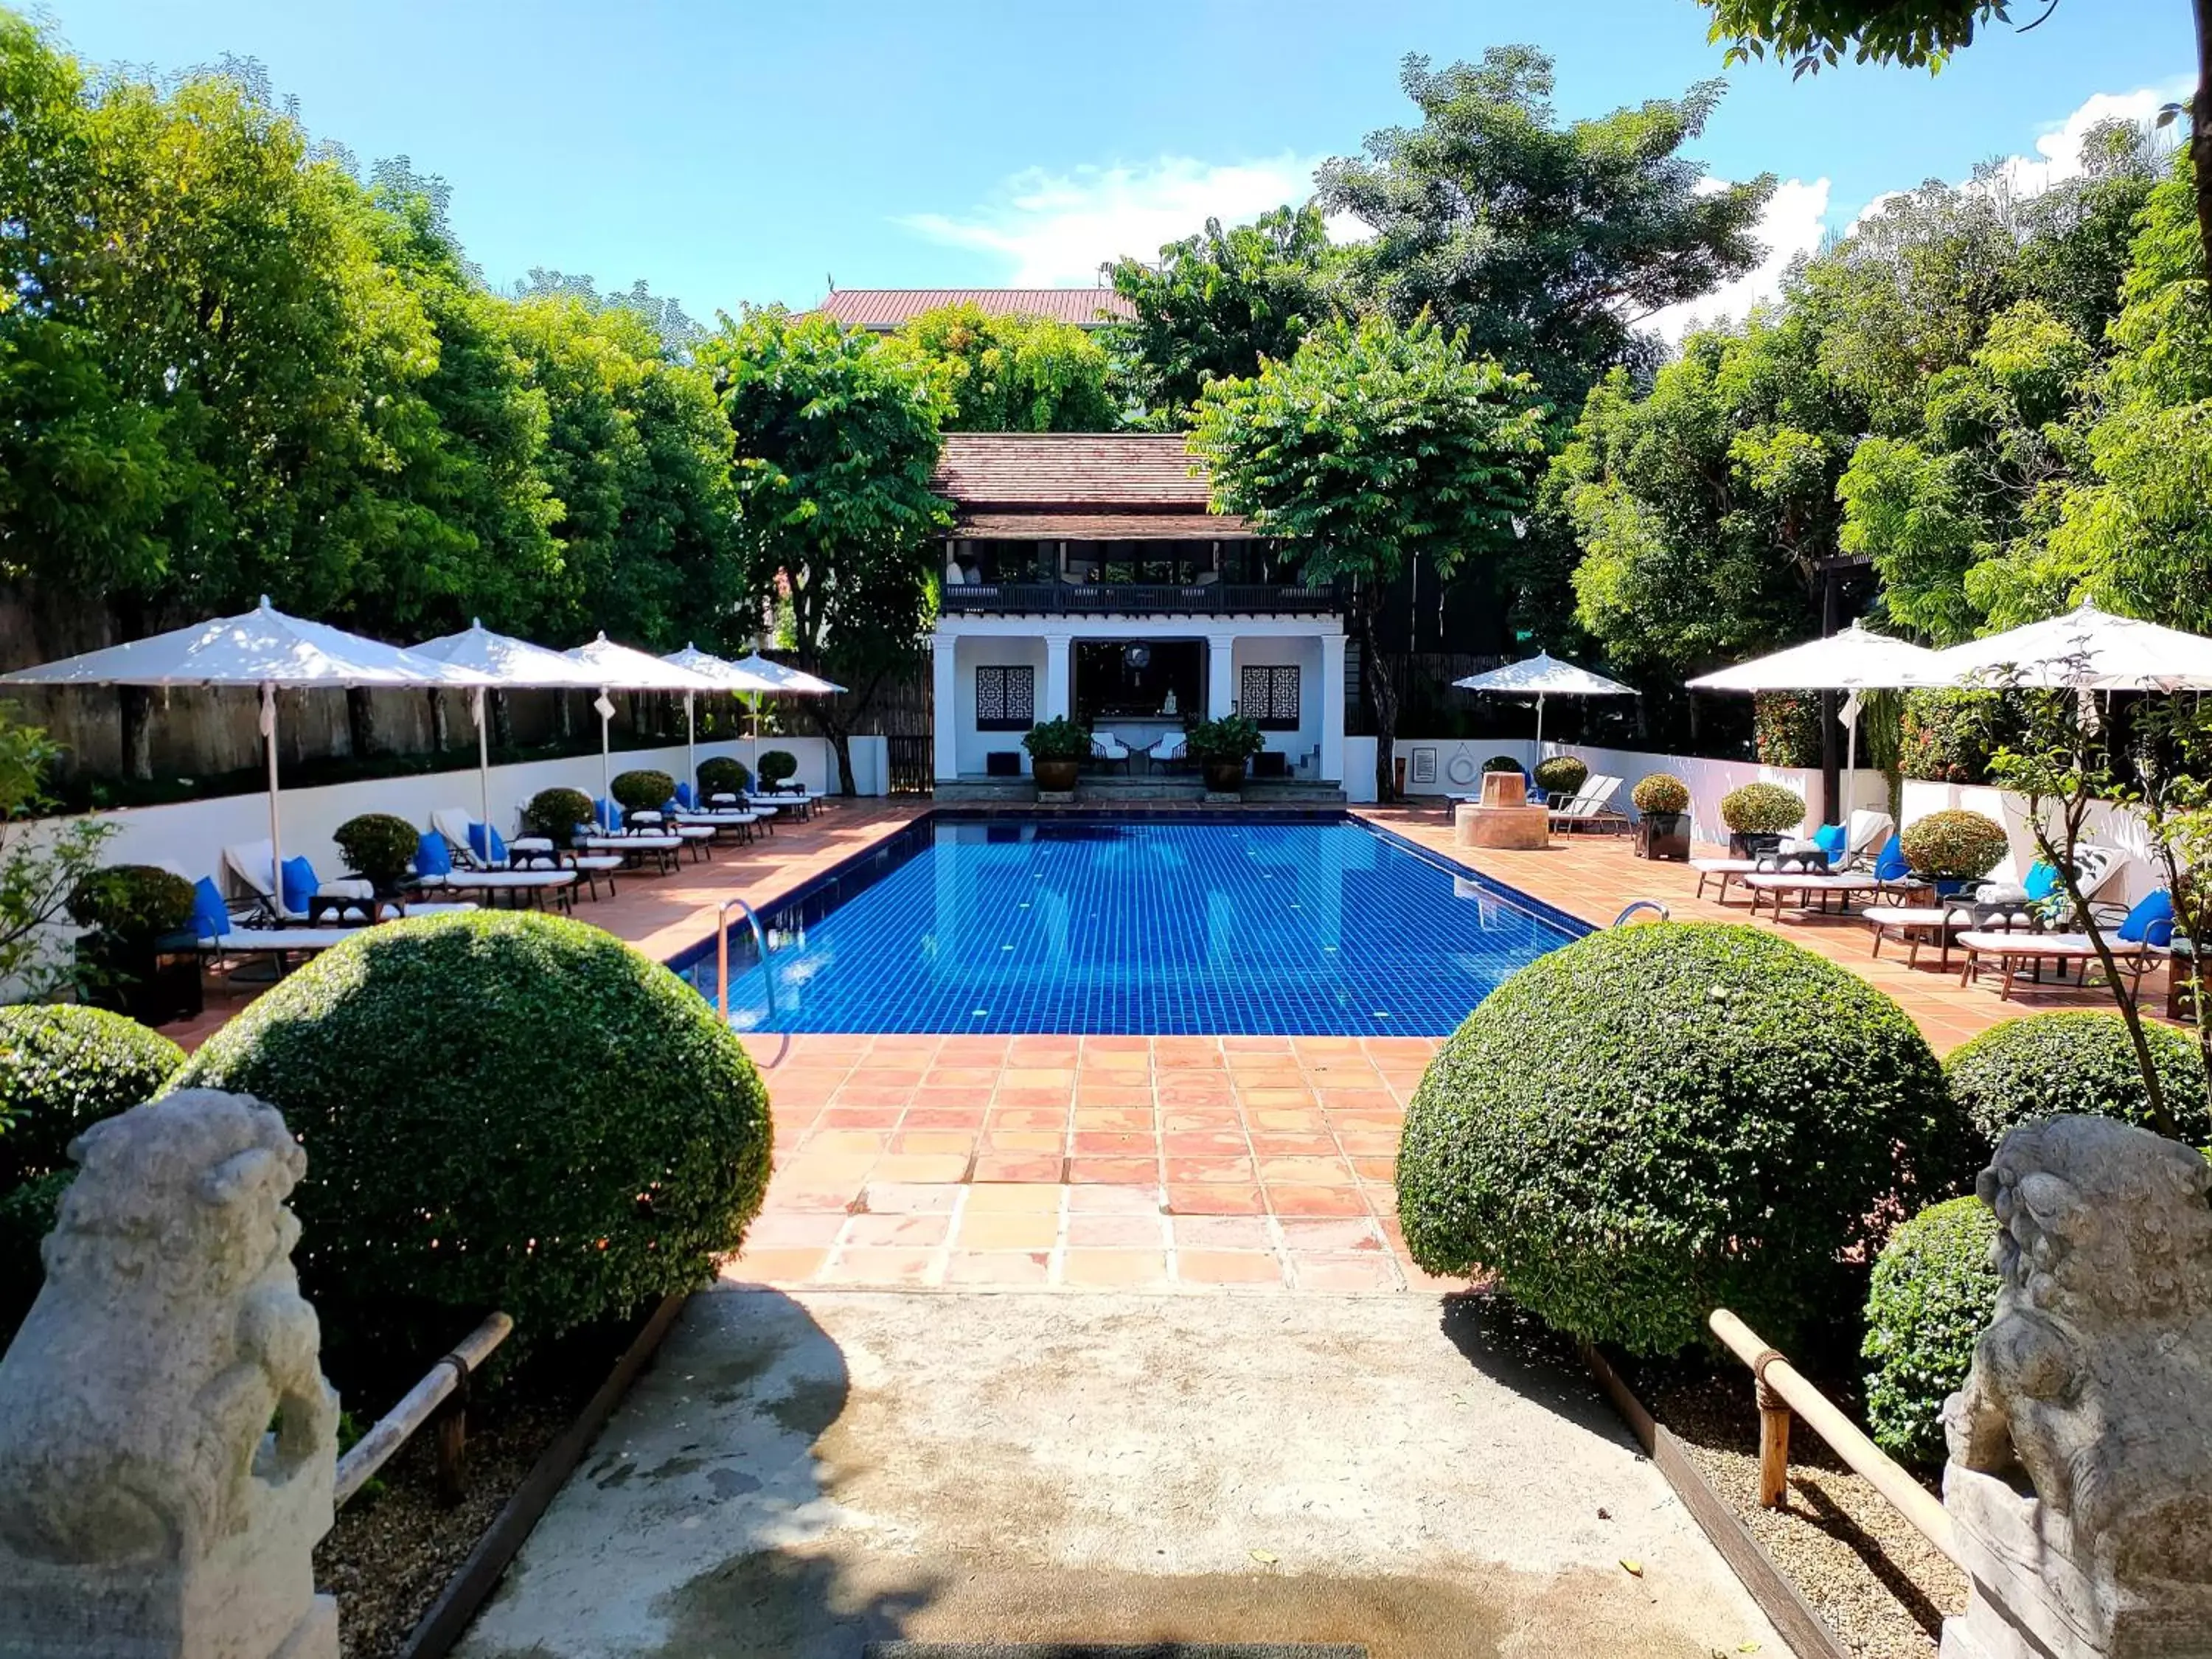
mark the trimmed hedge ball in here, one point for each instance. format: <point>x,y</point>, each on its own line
<point>378,845</point>
<point>1660,791</point>
<point>719,775</point>
<point>64,1068</point>
<point>642,791</point>
<point>1654,1122</point>
<point>556,814</point>
<point>2075,1061</point>
<point>501,1110</point>
<point>1956,845</point>
<point>132,902</point>
<point>1501,763</point>
<point>778,765</point>
<point>1562,774</point>
<point>1932,1294</point>
<point>1762,809</point>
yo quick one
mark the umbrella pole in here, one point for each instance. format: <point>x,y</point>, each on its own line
<point>606,754</point>
<point>691,741</point>
<point>1539,732</point>
<point>1850,764</point>
<point>276,823</point>
<point>483,761</point>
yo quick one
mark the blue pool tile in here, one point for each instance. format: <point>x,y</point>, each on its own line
<point>1160,927</point>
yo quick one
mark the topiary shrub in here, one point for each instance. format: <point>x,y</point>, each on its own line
<point>1762,809</point>
<point>779,766</point>
<point>2076,1062</point>
<point>378,846</point>
<point>132,903</point>
<point>719,775</point>
<point>501,1110</point>
<point>642,791</point>
<point>1501,763</point>
<point>28,1214</point>
<point>1660,791</point>
<point>1931,1295</point>
<point>1785,727</point>
<point>1720,1115</point>
<point>1562,774</point>
<point>1955,845</point>
<point>64,1068</point>
<point>556,813</point>
<point>1951,737</point>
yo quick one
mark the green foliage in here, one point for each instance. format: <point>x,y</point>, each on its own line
<point>133,901</point>
<point>1501,763</point>
<point>501,1110</point>
<point>379,846</point>
<point>722,774</point>
<point>1543,243</point>
<point>41,864</point>
<point>28,1214</point>
<point>642,791</point>
<point>1562,774</point>
<point>1660,791</point>
<point>1231,737</point>
<point>64,1068</point>
<point>1762,809</point>
<point>1932,1294</point>
<point>1012,374</point>
<point>1059,738</point>
<point>1956,845</point>
<point>1785,728</point>
<point>1215,306</point>
<point>2075,1061</point>
<point>1371,446</point>
<point>1951,737</point>
<point>778,766</point>
<point>1808,34</point>
<point>555,814</point>
<point>1723,1113</point>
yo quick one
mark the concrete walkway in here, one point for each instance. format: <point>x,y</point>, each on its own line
<point>798,1475</point>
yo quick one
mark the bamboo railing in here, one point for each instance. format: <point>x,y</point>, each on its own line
<point>449,1377</point>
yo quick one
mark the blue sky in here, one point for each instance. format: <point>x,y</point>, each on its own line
<point>728,152</point>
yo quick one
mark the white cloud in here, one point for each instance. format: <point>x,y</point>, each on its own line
<point>1793,223</point>
<point>1059,227</point>
<point>2058,150</point>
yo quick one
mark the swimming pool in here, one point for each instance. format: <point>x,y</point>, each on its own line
<point>1158,927</point>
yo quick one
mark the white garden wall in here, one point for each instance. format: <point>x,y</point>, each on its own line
<point>191,835</point>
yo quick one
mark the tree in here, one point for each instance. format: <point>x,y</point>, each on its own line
<point>1545,245</point>
<point>834,436</point>
<point>1012,374</point>
<point>1216,304</point>
<point>1923,33</point>
<point>1370,445</point>
<point>1702,507</point>
<point>40,864</point>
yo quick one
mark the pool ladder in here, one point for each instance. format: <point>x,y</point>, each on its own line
<point>723,957</point>
<point>1641,904</point>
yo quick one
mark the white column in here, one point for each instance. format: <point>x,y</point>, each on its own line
<point>1332,708</point>
<point>945,700</point>
<point>1220,674</point>
<point>1057,698</point>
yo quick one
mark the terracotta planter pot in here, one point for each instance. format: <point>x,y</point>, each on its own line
<point>1225,777</point>
<point>1054,777</point>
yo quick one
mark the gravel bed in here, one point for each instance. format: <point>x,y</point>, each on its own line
<point>1878,1585</point>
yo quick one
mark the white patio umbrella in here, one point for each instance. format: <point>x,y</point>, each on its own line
<point>507,663</point>
<point>620,668</point>
<point>727,675</point>
<point>790,682</point>
<point>2084,650</point>
<point>1545,675</point>
<point>263,647</point>
<point>1857,659</point>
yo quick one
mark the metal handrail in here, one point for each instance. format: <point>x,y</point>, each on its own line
<point>1641,904</point>
<point>723,957</point>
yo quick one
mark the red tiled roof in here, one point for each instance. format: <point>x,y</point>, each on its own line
<point>1101,527</point>
<point>884,308</point>
<point>1068,471</point>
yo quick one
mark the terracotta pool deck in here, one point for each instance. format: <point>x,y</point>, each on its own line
<point>1247,1163</point>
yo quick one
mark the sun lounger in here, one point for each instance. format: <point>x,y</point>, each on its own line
<point>482,863</point>
<point>351,902</point>
<point>1989,907</point>
<point>2142,939</point>
<point>698,837</point>
<point>1591,808</point>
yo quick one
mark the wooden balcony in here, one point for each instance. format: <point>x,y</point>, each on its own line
<point>1140,599</point>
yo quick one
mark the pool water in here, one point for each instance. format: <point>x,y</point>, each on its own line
<point>1156,927</point>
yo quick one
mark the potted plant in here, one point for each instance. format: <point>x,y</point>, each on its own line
<point>1057,747</point>
<point>1222,748</point>
<point>136,914</point>
<point>777,768</point>
<point>719,774</point>
<point>641,791</point>
<point>1501,763</point>
<point>1952,850</point>
<point>557,814</point>
<point>1758,816</point>
<point>1663,830</point>
<point>379,848</point>
<point>1561,777</point>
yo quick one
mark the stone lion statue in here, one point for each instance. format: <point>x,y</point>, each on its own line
<point>163,1407</point>
<point>2093,1384</point>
